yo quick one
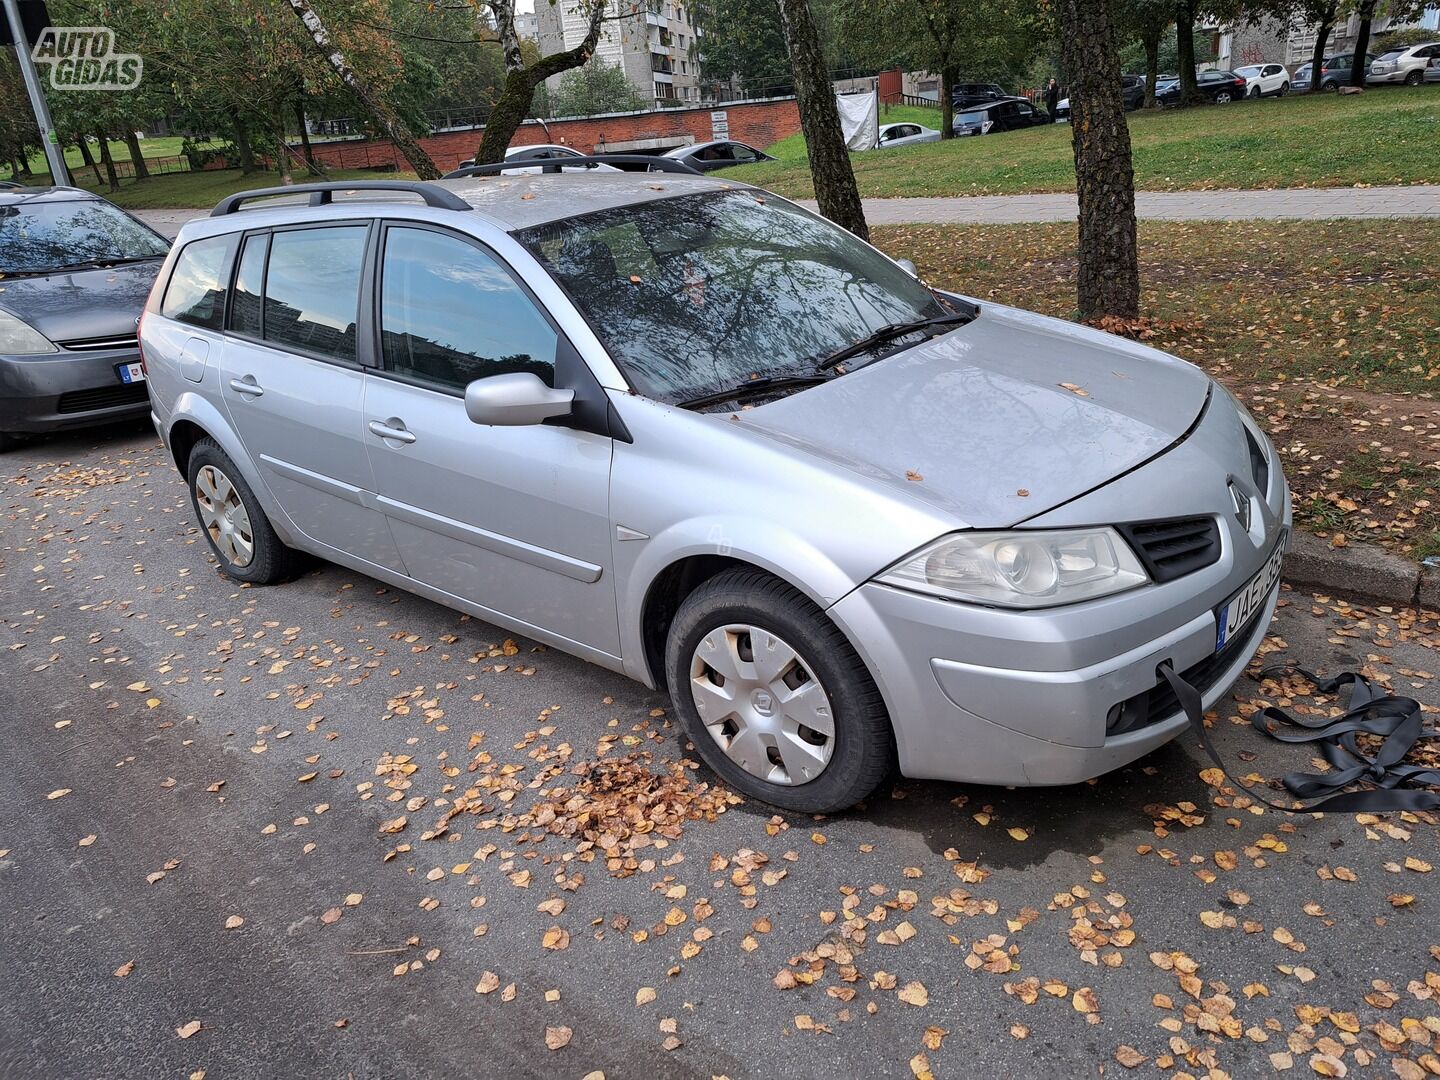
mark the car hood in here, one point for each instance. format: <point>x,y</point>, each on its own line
<point>80,304</point>
<point>999,420</point>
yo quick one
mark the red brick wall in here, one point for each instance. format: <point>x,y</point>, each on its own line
<point>758,123</point>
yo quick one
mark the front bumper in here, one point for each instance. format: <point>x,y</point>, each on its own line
<point>57,391</point>
<point>1061,695</point>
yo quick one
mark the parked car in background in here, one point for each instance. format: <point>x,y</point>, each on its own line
<point>700,436</point>
<point>1221,87</point>
<point>546,152</point>
<point>1406,65</point>
<point>1265,80</point>
<point>906,135</point>
<point>1008,114</point>
<point>74,273</point>
<point>1334,73</point>
<point>1132,92</point>
<point>964,95</point>
<point>720,154</point>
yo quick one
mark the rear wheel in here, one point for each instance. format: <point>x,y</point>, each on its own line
<point>1330,87</point>
<point>1255,91</point>
<point>1222,98</point>
<point>1414,78</point>
<point>235,526</point>
<point>773,697</point>
<point>1284,89</point>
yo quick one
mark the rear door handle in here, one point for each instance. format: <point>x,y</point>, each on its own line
<point>246,386</point>
<point>399,433</point>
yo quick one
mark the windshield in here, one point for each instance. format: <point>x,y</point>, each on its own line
<point>38,236</point>
<point>701,292</point>
<point>1247,71</point>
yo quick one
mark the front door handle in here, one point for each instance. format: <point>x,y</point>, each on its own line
<point>392,429</point>
<point>247,386</point>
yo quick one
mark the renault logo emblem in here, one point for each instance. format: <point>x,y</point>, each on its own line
<point>1242,505</point>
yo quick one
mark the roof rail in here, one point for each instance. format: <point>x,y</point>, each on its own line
<point>554,165</point>
<point>322,194</point>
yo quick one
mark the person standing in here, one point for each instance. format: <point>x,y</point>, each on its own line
<point>1052,97</point>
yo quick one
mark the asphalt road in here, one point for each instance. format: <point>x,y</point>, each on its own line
<point>200,776</point>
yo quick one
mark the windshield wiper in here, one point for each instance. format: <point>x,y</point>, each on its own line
<point>749,387</point>
<point>96,264</point>
<point>890,332</point>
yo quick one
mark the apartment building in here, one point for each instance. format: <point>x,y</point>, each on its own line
<point>652,45</point>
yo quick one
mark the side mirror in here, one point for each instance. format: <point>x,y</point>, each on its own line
<point>515,400</point>
<point>909,267</point>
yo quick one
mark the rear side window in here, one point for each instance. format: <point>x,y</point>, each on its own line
<point>450,313</point>
<point>312,289</point>
<point>196,291</point>
<point>249,282</point>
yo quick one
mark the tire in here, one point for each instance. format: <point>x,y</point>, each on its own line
<point>244,544</point>
<point>1329,87</point>
<point>1222,98</point>
<point>1255,92</point>
<point>1284,89</point>
<point>1414,78</point>
<point>857,755</point>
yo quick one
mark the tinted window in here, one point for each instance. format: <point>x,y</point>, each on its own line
<point>196,292</point>
<point>249,280</point>
<point>37,236</point>
<point>1393,54</point>
<point>450,313</point>
<point>700,292</point>
<point>312,289</point>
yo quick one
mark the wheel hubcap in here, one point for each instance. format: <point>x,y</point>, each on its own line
<point>224,516</point>
<point>762,704</point>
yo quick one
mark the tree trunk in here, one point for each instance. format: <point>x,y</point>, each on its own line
<point>1185,46</point>
<point>1358,67</point>
<point>242,144</point>
<point>282,150</point>
<point>1317,58</point>
<point>948,78</point>
<point>137,156</point>
<point>834,178</point>
<point>1152,66</point>
<point>385,117</point>
<point>1109,271</point>
<point>310,161</point>
<point>517,92</point>
<point>110,175</point>
<point>88,157</point>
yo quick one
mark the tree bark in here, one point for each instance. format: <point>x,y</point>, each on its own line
<point>137,156</point>
<point>310,161</point>
<point>385,118</point>
<point>112,178</point>
<point>282,150</point>
<point>88,157</point>
<point>1358,67</point>
<point>1152,66</point>
<point>948,77</point>
<point>517,92</point>
<point>242,144</point>
<point>1109,270</point>
<point>1185,46</point>
<point>834,178</point>
<point>1317,58</point>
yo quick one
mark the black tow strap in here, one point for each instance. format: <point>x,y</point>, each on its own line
<point>1372,711</point>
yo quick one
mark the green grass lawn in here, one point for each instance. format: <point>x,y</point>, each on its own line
<point>1327,329</point>
<point>199,189</point>
<point>1383,136</point>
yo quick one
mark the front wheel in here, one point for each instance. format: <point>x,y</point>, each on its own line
<point>773,697</point>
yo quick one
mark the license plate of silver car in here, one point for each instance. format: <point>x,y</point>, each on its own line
<point>1235,614</point>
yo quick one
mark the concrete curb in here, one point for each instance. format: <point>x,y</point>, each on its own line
<point>1362,571</point>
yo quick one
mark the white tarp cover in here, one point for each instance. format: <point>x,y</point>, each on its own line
<point>859,120</point>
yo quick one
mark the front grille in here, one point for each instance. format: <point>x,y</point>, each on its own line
<point>102,397</point>
<point>1172,549</point>
<point>100,344</point>
<point>1160,703</point>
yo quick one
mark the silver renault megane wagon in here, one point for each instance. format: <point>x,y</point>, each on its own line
<point>696,434</point>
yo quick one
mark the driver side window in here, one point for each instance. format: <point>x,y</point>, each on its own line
<point>450,313</point>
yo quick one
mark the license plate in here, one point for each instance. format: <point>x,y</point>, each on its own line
<point>1232,616</point>
<point>131,373</point>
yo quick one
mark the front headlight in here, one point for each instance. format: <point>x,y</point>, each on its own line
<point>1022,569</point>
<point>19,338</point>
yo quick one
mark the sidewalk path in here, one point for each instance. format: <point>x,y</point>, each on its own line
<point>1310,203</point>
<point>1307,203</point>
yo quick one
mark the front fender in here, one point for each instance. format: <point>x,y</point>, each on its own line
<point>196,409</point>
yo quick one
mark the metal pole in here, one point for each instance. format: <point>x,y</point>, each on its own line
<point>59,174</point>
